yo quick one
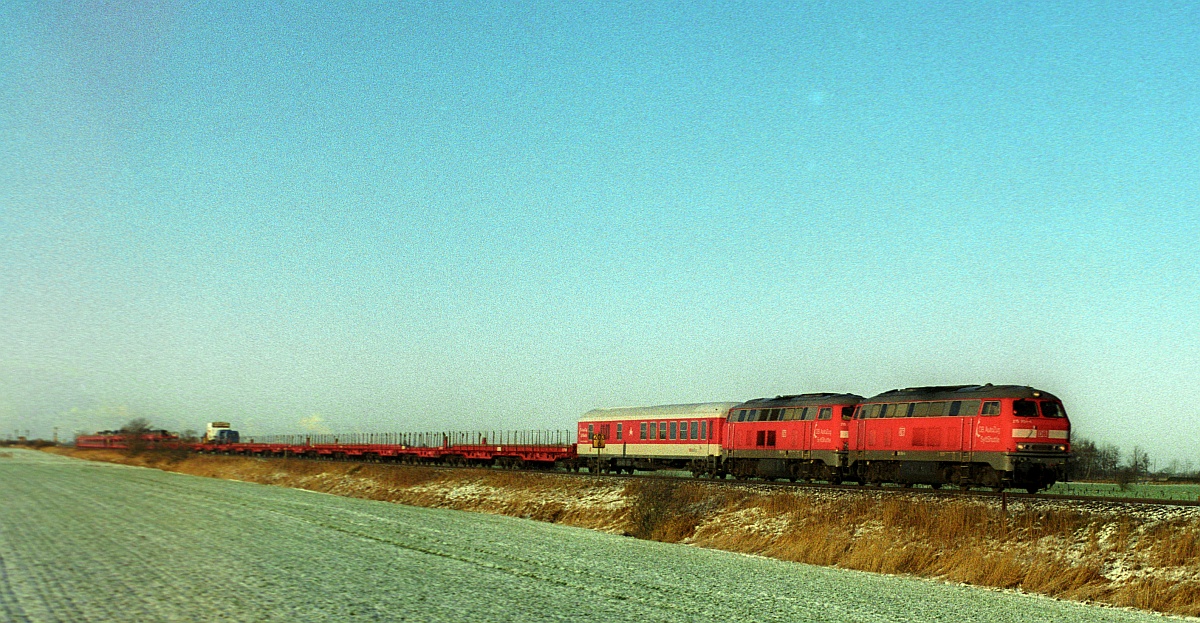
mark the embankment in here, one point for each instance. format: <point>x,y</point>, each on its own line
<point>1123,555</point>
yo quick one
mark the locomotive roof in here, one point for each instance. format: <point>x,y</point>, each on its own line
<point>803,400</point>
<point>696,410</point>
<point>960,392</point>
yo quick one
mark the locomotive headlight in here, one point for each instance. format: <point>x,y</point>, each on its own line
<point>1061,448</point>
<point>1021,446</point>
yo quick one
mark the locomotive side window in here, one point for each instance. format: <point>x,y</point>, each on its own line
<point>773,416</point>
<point>991,407</point>
<point>826,413</point>
<point>804,414</point>
<point>752,416</point>
<point>674,429</point>
<point>789,414</point>
<point>969,408</point>
<point>662,430</point>
<point>1053,409</point>
<point>741,416</point>
<point>922,409</point>
<point>695,429</point>
<point>1024,408</point>
<point>643,430</point>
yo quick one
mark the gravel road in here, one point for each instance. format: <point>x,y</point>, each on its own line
<point>83,541</point>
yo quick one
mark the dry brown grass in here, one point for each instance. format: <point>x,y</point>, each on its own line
<point>960,541</point>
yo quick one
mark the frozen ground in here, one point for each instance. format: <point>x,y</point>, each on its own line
<point>83,541</point>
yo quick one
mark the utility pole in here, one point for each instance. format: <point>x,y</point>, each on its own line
<point>56,435</point>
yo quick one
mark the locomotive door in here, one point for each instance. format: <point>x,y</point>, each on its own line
<point>968,437</point>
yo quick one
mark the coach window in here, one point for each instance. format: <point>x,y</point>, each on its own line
<point>991,407</point>
<point>825,414</point>
<point>674,428</point>
<point>695,430</point>
<point>618,431</point>
<point>704,429</point>
<point>1024,408</point>
<point>591,432</point>
<point>653,430</point>
<point>643,431</point>
<point>662,430</point>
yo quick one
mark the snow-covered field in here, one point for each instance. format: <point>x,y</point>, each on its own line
<point>83,541</point>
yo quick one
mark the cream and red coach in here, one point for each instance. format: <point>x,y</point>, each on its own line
<point>687,436</point>
<point>967,435</point>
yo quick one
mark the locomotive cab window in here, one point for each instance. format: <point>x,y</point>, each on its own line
<point>847,412</point>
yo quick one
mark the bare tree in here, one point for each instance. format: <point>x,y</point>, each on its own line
<point>1139,462</point>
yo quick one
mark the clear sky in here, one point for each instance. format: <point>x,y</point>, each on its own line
<point>403,216</point>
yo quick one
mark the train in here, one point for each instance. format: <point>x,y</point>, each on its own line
<point>994,436</point>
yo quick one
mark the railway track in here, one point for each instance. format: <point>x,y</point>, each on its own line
<point>1003,497</point>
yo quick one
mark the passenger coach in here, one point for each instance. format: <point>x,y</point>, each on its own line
<point>648,438</point>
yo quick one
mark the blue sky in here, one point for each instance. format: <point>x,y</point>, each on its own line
<point>382,217</point>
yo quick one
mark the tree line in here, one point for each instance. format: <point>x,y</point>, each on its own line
<point>1090,461</point>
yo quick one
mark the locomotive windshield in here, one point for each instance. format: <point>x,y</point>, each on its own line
<point>1024,408</point>
<point>1053,409</point>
